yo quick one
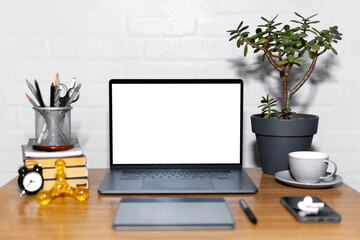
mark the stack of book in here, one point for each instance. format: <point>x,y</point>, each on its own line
<point>76,172</point>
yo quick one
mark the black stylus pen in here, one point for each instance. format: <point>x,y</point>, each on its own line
<point>248,211</point>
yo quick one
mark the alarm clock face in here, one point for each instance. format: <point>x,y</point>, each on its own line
<point>32,182</point>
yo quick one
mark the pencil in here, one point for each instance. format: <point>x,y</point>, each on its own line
<point>32,89</point>
<point>31,101</point>
<point>57,96</point>
<point>73,95</point>
<point>57,91</point>
<point>57,81</point>
<point>52,95</point>
<point>42,133</point>
<point>39,94</point>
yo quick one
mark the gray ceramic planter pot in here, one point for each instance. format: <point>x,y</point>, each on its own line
<point>276,138</point>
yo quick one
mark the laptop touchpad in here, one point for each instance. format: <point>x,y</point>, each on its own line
<point>178,185</point>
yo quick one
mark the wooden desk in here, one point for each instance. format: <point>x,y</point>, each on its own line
<point>65,218</point>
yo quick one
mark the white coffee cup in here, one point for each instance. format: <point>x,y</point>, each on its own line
<point>310,167</point>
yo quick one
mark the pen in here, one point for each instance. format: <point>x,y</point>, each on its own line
<point>248,211</point>
<point>73,82</point>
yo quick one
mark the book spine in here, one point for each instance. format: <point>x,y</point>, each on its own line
<point>73,182</point>
<point>50,162</point>
<point>70,172</point>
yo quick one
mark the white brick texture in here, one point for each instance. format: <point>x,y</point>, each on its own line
<point>155,26</point>
<point>100,40</point>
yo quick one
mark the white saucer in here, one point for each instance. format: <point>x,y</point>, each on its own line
<point>285,177</point>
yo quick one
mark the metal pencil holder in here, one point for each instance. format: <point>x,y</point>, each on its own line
<point>53,128</point>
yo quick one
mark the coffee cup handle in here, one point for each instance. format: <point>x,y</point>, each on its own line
<point>332,173</point>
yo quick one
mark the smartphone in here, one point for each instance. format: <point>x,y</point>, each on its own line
<point>325,214</point>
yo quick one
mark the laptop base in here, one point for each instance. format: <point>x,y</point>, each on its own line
<point>113,184</point>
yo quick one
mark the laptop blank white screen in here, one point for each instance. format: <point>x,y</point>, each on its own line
<point>176,123</point>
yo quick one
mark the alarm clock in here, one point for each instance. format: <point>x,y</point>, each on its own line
<point>30,180</point>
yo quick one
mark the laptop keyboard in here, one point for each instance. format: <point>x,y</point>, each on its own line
<point>176,174</point>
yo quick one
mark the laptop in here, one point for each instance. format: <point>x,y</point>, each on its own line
<point>176,137</point>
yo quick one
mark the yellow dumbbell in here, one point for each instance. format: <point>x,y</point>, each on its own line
<point>61,187</point>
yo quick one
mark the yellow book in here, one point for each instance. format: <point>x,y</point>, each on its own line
<point>74,182</point>
<point>70,172</point>
<point>50,162</point>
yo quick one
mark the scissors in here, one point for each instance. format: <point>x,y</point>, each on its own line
<point>71,92</point>
<point>63,92</point>
<point>66,93</point>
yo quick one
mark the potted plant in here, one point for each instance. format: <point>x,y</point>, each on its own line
<point>285,47</point>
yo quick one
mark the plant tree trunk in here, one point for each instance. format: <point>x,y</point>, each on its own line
<point>288,100</point>
<point>286,92</point>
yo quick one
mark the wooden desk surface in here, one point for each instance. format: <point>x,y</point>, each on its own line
<point>65,218</point>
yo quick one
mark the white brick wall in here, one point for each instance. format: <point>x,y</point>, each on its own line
<point>99,40</point>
